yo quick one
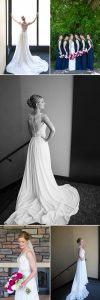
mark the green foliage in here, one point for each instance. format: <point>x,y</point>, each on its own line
<point>75,16</point>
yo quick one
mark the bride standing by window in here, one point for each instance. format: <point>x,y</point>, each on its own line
<point>23,62</point>
<point>79,291</point>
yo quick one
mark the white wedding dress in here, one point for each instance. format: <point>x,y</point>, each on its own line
<point>23,63</point>
<point>40,199</point>
<point>72,62</point>
<point>79,291</point>
<point>24,268</point>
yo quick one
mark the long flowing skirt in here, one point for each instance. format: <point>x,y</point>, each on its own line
<point>22,295</point>
<point>40,199</point>
<point>79,291</point>
<point>23,63</point>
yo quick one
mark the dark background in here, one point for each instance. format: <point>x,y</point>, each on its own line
<point>85,148</point>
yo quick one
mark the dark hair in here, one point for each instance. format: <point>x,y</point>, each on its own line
<point>79,240</point>
<point>34,100</point>
<point>25,235</point>
<point>23,18</point>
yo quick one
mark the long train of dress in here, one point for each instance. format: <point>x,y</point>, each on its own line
<point>24,268</point>
<point>79,291</point>
<point>40,199</point>
<point>23,63</point>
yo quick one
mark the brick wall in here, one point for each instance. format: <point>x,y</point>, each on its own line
<point>9,248</point>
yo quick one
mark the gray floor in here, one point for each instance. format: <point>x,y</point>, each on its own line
<point>78,72</point>
<point>89,209</point>
<point>43,55</point>
<point>93,287</point>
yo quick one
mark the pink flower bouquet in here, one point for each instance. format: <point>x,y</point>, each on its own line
<point>72,56</point>
<point>15,282</point>
<point>79,53</point>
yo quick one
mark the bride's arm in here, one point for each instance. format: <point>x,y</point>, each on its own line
<point>15,20</point>
<point>32,262</point>
<point>29,23</point>
<point>50,125</point>
<point>80,255</point>
<point>29,129</point>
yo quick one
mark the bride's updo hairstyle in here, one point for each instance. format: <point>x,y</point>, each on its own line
<point>34,100</point>
<point>79,240</point>
<point>25,235</point>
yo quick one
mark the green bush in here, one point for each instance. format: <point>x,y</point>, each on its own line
<point>74,16</point>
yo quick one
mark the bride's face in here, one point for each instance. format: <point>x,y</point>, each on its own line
<point>82,243</point>
<point>41,104</point>
<point>22,243</point>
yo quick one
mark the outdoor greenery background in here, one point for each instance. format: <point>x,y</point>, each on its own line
<point>82,16</point>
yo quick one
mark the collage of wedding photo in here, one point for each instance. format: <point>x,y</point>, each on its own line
<point>49,150</point>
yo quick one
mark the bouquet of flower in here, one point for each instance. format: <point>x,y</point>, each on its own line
<point>61,55</point>
<point>66,55</point>
<point>15,282</point>
<point>79,53</point>
<point>72,56</point>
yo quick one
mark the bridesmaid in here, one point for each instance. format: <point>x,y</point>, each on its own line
<point>78,48</point>
<point>90,53</point>
<point>59,60</point>
<point>65,51</point>
<point>84,56</point>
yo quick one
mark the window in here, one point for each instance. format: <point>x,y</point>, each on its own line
<point>38,34</point>
<point>27,8</point>
<point>44,22</point>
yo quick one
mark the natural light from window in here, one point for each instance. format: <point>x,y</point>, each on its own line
<point>28,8</point>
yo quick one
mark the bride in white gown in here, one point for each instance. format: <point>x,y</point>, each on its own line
<point>23,63</point>
<point>79,291</point>
<point>40,199</point>
<point>72,62</point>
<point>28,267</point>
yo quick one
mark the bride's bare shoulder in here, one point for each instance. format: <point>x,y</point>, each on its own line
<point>44,117</point>
<point>29,253</point>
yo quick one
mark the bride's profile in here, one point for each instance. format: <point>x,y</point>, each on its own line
<point>28,267</point>
<point>79,290</point>
<point>40,199</point>
<point>23,62</point>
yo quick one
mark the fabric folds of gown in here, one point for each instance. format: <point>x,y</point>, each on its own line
<point>72,62</point>
<point>40,199</point>
<point>23,63</point>
<point>24,268</point>
<point>79,291</point>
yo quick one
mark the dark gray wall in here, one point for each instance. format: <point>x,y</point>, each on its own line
<point>85,147</point>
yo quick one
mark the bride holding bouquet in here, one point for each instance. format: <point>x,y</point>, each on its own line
<point>25,286</point>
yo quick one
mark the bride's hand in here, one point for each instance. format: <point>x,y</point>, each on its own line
<point>23,285</point>
<point>44,139</point>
